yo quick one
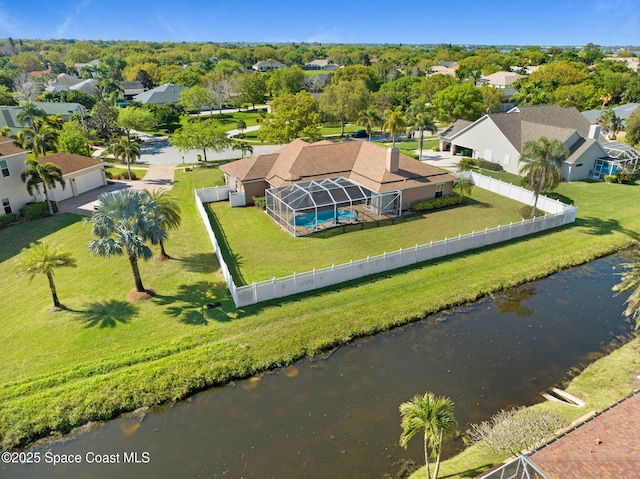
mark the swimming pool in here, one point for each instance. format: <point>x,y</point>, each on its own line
<point>310,219</point>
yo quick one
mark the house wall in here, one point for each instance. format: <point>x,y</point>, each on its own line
<point>12,187</point>
<point>79,182</point>
<point>426,192</point>
<point>487,141</point>
<point>256,188</point>
<point>573,172</point>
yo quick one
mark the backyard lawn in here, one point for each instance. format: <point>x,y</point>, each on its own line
<point>270,252</point>
<point>104,355</point>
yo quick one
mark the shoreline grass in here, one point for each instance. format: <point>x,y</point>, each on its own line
<point>105,356</point>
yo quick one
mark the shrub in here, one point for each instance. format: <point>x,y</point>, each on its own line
<point>124,176</point>
<point>466,163</point>
<point>610,179</point>
<point>8,218</point>
<point>624,176</point>
<point>436,148</point>
<point>260,201</point>
<point>410,154</point>
<point>435,203</point>
<point>489,165</point>
<point>35,210</point>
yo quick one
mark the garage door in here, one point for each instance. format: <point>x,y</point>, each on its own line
<point>89,181</point>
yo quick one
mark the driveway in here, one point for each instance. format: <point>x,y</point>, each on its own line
<point>158,177</point>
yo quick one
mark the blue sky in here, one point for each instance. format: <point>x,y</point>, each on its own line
<point>557,22</point>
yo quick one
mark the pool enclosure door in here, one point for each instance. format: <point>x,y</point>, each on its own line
<point>387,203</point>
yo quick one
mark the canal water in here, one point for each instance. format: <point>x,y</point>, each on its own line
<point>336,415</point>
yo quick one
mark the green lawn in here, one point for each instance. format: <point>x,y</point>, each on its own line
<point>104,356</point>
<point>280,254</point>
<point>330,129</point>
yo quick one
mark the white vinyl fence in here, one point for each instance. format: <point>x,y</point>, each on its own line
<point>559,214</point>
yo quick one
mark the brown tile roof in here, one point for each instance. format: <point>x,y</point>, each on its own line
<point>359,161</point>
<point>7,147</point>
<point>606,447</point>
<point>68,162</point>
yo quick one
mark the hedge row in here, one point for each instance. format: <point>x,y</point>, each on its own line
<point>8,218</point>
<point>435,203</point>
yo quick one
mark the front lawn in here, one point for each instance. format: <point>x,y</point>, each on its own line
<point>270,252</point>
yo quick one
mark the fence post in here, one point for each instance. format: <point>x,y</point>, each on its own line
<point>333,274</point>
<point>295,284</point>
<point>273,281</point>
<point>254,287</point>
<point>314,278</point>
<point>350,269</point>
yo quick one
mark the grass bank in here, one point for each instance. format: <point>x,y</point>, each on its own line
<point>104,356</point>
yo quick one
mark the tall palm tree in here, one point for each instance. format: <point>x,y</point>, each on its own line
<point>126,151</point>
<point>46,139</point>
<point>24,138</point>
<point>47,175</point>
<point>369,118</point>
<point>125,221</point>
<point>395,121</point>
<point>43,258</point>
<point>29,113</point>
<point>631,282</point>
<point>422,122</point>
<point>611,123</point>
<point>434,415</point>
<point>167,213</point>
<point>463,187</point>
<point>243,146</point>
<point>542,159</point>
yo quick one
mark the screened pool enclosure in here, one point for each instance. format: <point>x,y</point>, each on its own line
<point>303,208</point>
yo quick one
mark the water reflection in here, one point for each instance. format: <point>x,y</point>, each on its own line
<point>337,415</point>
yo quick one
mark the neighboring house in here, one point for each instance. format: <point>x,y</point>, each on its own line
<point>503,80</point>
<point>320,65</point>
<point>623,112</point>
<point>131,89</point>
<point>63,82</point>
<point>376,168</point>
<point>500,137</point>
<point>78,67</point>
<point>606,446</point>
<point>632,63</point>
<point>443,68</point>
<point>80,173</point>
<point>13,192</point>
<point>9,114</point>
<point>167,93</point>
<point>86,86</point>
<point>267,65</point>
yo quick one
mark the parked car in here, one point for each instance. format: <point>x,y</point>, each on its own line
<point>360,134</point>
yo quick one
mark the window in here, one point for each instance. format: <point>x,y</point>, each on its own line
<point>4,168</point>
<point>6,205</point>
<point>439,190</point>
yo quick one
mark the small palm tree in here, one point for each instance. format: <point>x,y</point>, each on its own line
<point>47,175</point>
<point>542,159</point>
<point>631,282</point>
<point>46,139</point>
<point>129,152</point>
<point>369,118</point>
<point>43,258</point>
<point>167,214</point>
<point>434,415</point>
<point>395,121</point>
<point>29,113</point>
<point>243,146</point>
<point>125,221</point>
<point>463,187</point>
<point>422,122</point>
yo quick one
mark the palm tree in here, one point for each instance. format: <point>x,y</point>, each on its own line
<point>243,146</point>
<point>128,152</point>
<point>24,138</point>
<point>434,415</point>
<point>422,122</point>
<point>125,221</point>
<point>6,132</point>
<point>463,187</point>
<point>29,113</point>
<point>41,257</point>
<point>47,175</point>
<point>394,121</point>
<point>631,282</point>
<point>369,118</point>
<point>542,159</point>
<point>46,139</point>
<point>611,123</point>
<point>167,214</point>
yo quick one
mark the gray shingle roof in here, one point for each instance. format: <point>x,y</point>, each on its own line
<point>167,93</point>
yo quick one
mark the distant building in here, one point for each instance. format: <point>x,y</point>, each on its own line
<point>267,65</point>
<point>320,65</point>
<point>167,93</point>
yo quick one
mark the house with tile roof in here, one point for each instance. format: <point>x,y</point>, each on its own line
<point>500,137</point>
<point>162,95</point>
<point>81,174</point>
<point>376,168</point>
<point>267,65</point>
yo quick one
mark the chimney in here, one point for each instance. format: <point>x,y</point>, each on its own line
<point>594,131</point>
<point>393,159</point>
